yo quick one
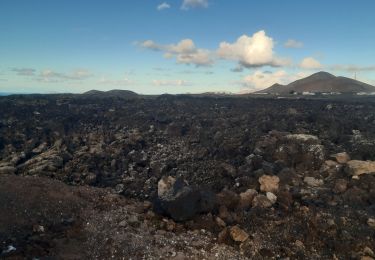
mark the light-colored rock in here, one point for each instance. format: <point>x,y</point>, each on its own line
<point>269,183</point>
<point>38,229</point>
<point>371,222</point>
<point>341,157</point>
<point>246,199</point>
<point>262,201</point>
<point>272,197</point>
<point>220,222</point>
<point>238,234</point>
<point>165,184</point>
<point>330,163</point>
<point>313,182</point>
<point>303,137</point>
<point>356,167</point>
<point>368,251</point>
<point>367,258</point>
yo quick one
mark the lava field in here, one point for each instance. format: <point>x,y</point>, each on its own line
<point>186,177</point>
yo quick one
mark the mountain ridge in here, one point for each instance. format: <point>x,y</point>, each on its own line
<point>321,82</point>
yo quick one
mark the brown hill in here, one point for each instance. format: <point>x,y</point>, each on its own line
<point>319,83</point>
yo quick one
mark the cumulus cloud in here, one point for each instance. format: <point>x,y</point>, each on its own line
<point>163,6</point>
<point>263,79</point>
<point>251,51</point>
<point>53,76</point>
<point>188,4</point>
<point>185,52</point>
<point>170,83</point>
<point>310,63</point>
<point>293,44</point>
<point>24,71</point>
<point>248,51</point>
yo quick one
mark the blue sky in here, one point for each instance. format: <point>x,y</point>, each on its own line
<point>179,46</point>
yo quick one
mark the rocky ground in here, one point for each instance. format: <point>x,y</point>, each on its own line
<point>181,177</point>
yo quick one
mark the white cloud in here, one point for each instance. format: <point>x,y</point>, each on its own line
<point>163,6</point>
<point>247,51</point>
<point>254,51</point>
<point>151,45</point>
<point>170,83</point>
<point>48,75</point>
<point>263,79</point>
<point>188,4</point>
<point>293,44</point>
<point>185,52</point>
<point>310,63</point>
<point>117,82</point>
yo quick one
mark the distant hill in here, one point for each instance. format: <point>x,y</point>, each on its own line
<point>319,83</point>
<point>111,93</point>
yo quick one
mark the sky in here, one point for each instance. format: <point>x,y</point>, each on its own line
<point>181,46</point>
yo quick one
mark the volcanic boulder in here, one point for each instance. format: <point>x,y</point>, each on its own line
<point>180,201</point>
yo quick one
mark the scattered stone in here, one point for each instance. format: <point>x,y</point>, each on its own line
<point>220,222</point>
<point>262,201</point>
<point>225,215</point>
<point>341,186</point>
<point>246,199</point>
<point>269,183</point>
<point>9,249</point>
<point>38,229</point>
<point>341,157</point>
<point>238,234</point>
<point>357,168</point>
<point>123,223</point>
<point>224,236</point>
<point>228,170</point>
<point>228,199</point>
<point>368,251</point>
<point>367,258</point>
<point>371,222</point>
<point>299,244</point>
<point>313,182</point>
<point>272,197</point>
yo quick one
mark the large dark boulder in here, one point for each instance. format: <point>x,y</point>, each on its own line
<point>182,202</point>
